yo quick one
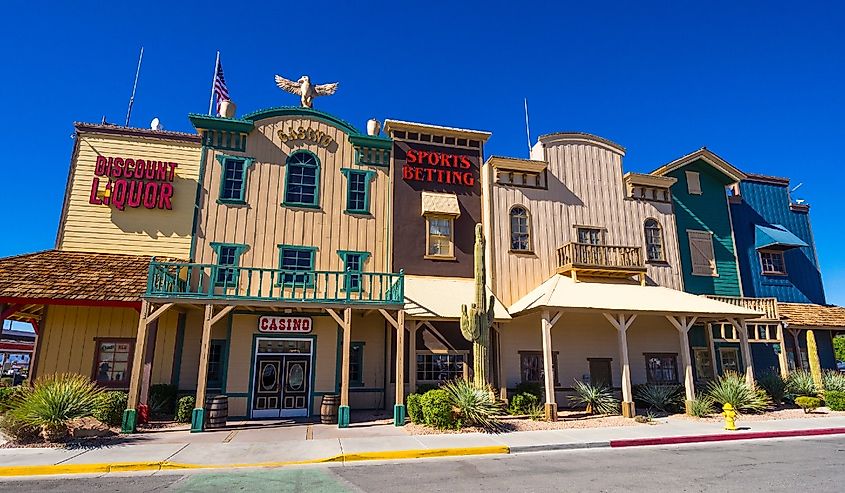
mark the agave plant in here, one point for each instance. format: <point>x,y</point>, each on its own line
<point>598,399</point>
<point>663,397</point>
<point>773,384</point>
<point>833,381</point>
<point>731,389</point>
<point>800,383</point>
<point>474,406</point>
<point>53,401</point>
<point>702,406</point>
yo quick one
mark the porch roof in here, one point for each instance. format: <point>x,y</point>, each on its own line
<point>562,293</point>
<point>812,315</point>
<point>441,297</point>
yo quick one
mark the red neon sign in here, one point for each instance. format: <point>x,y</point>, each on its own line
<point>438,167</point>
<point>133,183</point>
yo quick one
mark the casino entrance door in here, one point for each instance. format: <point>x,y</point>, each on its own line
<point>281,384</point>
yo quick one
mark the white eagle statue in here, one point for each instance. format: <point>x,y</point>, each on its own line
<point>305,89</point>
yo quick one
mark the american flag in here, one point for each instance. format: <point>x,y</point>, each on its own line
<point>220,89</point>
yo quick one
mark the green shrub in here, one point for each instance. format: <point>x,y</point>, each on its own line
<point>18,431</point>
<point>162,398</point>
<point>835,400</point>
<point>731,389</point>
<point>475,406</point>
<point>663,397</point>
<point>833,381</point>
<point>597,399</point>
<point>801,383</point>
<point>533,388</point>
<point>110,406</point>
<point>774,385</point>
<point>414,407</point>
<point>522,403</point>
<point>437,409</point>
<point>808,404</point>
<point>7,395</point>
<point>185,409</point>
<point>702,406</point>
<point>54,400</point>
<point>536,412</point>
<point>425,387</point>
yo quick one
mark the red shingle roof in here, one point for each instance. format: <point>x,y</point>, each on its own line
<point>811,315</point>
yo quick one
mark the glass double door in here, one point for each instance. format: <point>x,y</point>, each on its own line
<point>282,382</point>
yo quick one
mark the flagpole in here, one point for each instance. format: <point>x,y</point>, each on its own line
<point>213,78</point>
<point>134,86</point>
<point>527,128</point>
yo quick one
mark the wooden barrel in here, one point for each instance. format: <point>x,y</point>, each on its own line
<point>328,409</point>
<point>217,411</point>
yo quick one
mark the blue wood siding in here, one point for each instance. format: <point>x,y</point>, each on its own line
<point>767,204</point>
<point>705,212</point>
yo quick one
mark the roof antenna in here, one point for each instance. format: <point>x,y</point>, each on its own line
<point>527,128</point>
<point>134,86</point>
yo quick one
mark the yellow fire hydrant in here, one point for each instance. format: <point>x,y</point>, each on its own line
<point>730,416</point>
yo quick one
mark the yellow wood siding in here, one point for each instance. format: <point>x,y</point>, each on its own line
<point>66,343</point>
<point>263,223</point>
<point>585,189</point>
<point>100,228</point>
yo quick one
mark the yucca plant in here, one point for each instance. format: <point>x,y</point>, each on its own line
<point>731,389</point>
<point>663,397</point>
<point>597,399</point>
<point>702,406</point>
<point>800,383</point>
<point>53,401</point>
<point>773,384</point>
<point>834,381</point>
<point>474,406</point>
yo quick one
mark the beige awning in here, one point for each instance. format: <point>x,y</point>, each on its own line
<point>562,293</point>
<point>440,203</point>
<point>442,297</point>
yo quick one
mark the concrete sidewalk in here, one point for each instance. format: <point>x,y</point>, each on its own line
<point>227,448</point>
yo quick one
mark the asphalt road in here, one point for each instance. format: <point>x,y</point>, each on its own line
<point>816,464</point>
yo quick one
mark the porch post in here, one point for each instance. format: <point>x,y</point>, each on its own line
<point>711,344</point>
<point>198,415</point>
<point>343,410</point>
<point>796,353</point>
<point>152,333</point>
<point>399,407</point>
<point>412,355</point>
<point>621,323</point>
<point>130,415</point>
<point>745,348</point>
<point>784,366</point>
<point>548,367</point>
<point>683,324</point>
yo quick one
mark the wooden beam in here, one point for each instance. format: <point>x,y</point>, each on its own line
<point>548,367</point>
<point>222,313</point>
<point>138,357</point>
<point>340,321</point>
<point>400,358</point>
<point>412,355</point>
<point>784,365</point>
<point>158,312</point>
<point>745,349</point>
<point>622,323</point>
<point>202,374</point>
<point>390,319</point>
<point>347,343</point>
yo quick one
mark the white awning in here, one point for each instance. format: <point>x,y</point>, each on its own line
<point>442,297</point>
<point>562,293</point>
<point>440,203</point>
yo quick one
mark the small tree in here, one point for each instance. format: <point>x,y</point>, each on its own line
<point>813,355</point>
<point>839,347</point>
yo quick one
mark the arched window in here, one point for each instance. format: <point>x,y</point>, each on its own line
<point>302,182</point>
<point>654,241</point>
<point>520,229</point>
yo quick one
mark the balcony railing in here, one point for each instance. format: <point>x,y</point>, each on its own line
<point>767,306</point>
<point>176,280</point>
<point>600,258</point>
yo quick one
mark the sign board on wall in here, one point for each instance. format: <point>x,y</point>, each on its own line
<point>438,167</point>
<point>287,325</point>
<point>133,183</point>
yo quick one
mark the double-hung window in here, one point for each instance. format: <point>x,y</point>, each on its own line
<point>233,179</point>
<point>353,265</point>
<point>590,236</point>
<point>356,364</point>
<point>772,262</point>
<point>112,361</point>
<point>653,241</point>
<point>216,361</point>
<point>439,242</point>
<point>661,367</point>
<point>228,257</point>
<point>357,190</point>
<point>293,259</point>
<point>302,183</point>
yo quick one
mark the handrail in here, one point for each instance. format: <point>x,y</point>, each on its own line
<point>211,281</point>
<point>590,255</point>
<point>767,306</point>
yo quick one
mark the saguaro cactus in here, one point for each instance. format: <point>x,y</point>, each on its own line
<point>477,319</point>
<point>815,364</point>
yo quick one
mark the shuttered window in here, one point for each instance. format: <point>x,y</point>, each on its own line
<point>701,253</point>
<point>693,182</point>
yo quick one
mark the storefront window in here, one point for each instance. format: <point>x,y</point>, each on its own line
<point>532,369</point>
<point>111,366</point>
<point>216,352</point>
<point>730,359</point>
<point>284,346</point>
<point>356,364</point>
<point>661,368</point>
<point>440,367</point>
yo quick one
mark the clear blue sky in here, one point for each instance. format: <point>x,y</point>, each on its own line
<point>760,84</point>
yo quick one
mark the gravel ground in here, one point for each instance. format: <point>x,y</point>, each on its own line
<point>821,412</point>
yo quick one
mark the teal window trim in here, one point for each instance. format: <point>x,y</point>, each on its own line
<point>239,249</point>
<point>368,176</point>
<point>308,274</point>
<point>356,358</point>
<point>245,163</point>
<point>351,278</point>
<point>288,164</point>
<point>217,347</point>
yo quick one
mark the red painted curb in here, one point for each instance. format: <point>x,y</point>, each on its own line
<point>724,437</point>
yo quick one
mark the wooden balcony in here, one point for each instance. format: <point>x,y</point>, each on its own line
<point>586,259</point>
<point>189,281</point>
<point>768,307</point>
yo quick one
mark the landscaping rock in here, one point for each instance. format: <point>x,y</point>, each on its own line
<point>89,428</point>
